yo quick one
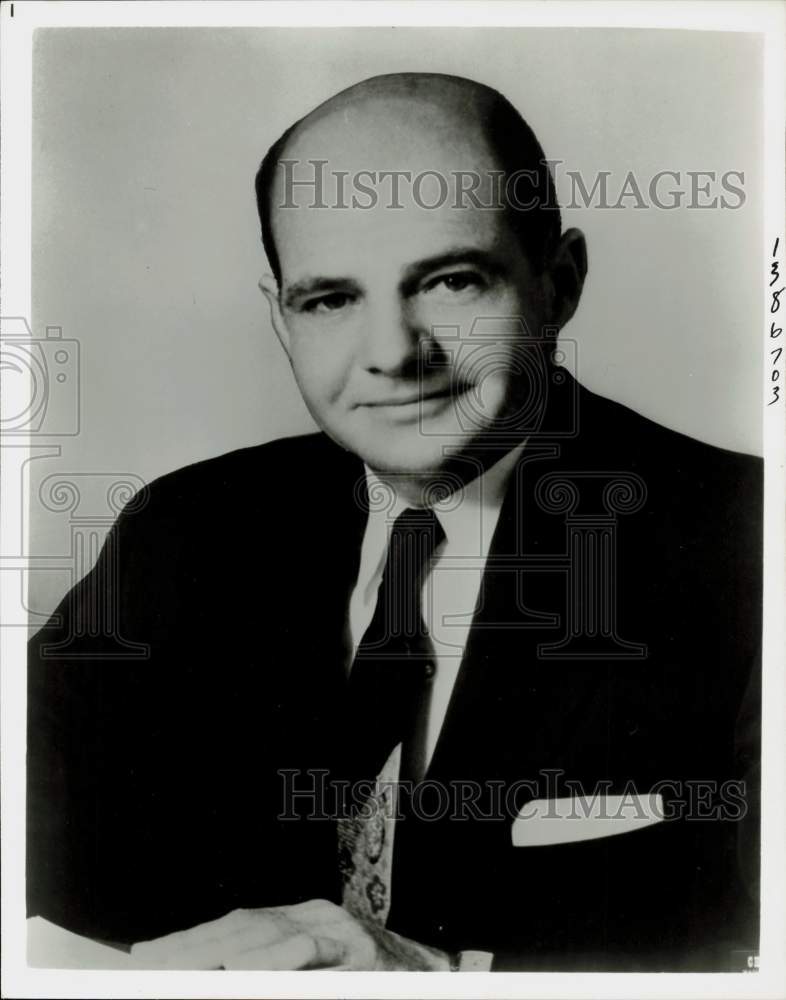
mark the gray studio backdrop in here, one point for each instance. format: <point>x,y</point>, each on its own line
<point>147,253</point>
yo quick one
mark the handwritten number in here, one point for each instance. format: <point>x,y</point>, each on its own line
<point>775,331</point>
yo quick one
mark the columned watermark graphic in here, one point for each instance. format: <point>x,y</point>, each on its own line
<point>590,563</point>
<point>542,416</point>
<point>92,502</point>
<point>42,379</point>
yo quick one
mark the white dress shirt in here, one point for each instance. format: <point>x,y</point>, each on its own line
<point>450,590</point>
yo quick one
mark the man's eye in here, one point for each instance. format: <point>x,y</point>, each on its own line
<point>328,303</point>
<point>460,281</point>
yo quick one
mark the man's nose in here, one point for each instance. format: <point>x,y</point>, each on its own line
<point>391,340</point>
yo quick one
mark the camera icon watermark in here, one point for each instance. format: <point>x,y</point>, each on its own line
<point>505,380</point>
<point>46,381</point>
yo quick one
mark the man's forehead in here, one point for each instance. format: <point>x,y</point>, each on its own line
<point>358,243</point>
<point>359,177</point>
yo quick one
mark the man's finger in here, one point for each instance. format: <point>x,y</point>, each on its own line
<point>207,945</point>
<point>321,909</point>
<point>300,952</point>
<point>181,940</point>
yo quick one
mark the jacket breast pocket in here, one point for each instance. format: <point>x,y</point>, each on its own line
<point>547,822</point>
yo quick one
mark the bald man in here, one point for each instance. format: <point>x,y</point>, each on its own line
<point>465,681</point>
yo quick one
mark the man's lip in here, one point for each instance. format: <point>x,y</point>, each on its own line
<point>445,393</point>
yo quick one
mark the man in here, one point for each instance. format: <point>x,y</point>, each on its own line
<point>481,583</point>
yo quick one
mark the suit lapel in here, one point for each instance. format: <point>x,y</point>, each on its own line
<point>320,570</point>
<point>512,712</point>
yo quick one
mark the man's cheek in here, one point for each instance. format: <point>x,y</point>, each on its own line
<point>319,374</point>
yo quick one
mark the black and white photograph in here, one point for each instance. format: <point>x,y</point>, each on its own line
<point>393,448</point>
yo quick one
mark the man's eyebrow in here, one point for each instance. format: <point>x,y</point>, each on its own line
<point>484,260</point>
<point>313,286</point>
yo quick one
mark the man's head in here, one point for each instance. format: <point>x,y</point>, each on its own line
<point>386,275</point>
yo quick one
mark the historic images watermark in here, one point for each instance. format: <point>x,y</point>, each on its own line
<point>549,796</point>
<point>544,187</point>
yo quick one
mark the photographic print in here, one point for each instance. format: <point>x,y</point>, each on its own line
<point>390,588</point>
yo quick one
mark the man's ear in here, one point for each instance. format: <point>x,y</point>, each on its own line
<point>269,288</point>
<point>567,270</point>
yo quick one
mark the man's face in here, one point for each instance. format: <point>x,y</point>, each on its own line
<point>382,309</point>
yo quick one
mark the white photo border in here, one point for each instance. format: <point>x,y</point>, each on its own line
<point>19,20</point>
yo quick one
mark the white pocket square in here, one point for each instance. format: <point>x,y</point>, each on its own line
<point>568,820</point>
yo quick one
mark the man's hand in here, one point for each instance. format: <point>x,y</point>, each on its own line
<point>311,935</point>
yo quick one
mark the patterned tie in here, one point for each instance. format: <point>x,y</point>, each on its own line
<point>389,693</point>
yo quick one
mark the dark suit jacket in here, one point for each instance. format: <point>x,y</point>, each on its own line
<point>155,743</point>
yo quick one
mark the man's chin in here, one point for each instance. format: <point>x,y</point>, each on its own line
<point>418,456</point>
<point>440,449</point>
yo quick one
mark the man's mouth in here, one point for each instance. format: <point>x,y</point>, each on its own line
<point>417,398</point>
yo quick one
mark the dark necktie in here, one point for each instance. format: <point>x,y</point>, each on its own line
<point>390,682</point>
